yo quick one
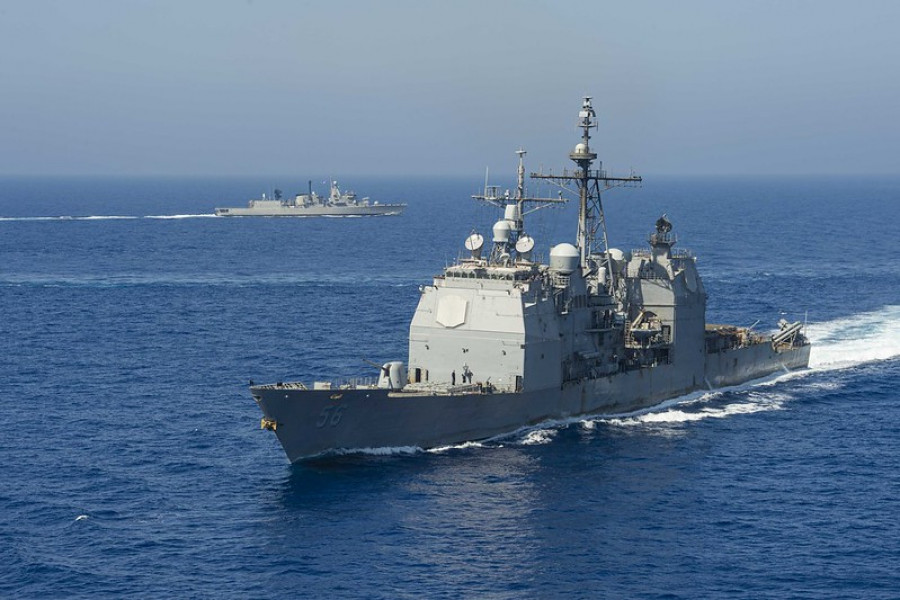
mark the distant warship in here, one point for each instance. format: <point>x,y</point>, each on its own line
<point>337,204</point>
<point>500,342</point>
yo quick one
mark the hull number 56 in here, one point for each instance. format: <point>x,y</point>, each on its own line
<point>330,416</point>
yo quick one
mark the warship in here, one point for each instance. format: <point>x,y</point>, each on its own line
<point>500,341</point>
<point>337,204</point>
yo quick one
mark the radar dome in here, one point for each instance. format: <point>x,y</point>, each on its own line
<point>564,258</point>
<point>501,232</point>
<point>616,254</point>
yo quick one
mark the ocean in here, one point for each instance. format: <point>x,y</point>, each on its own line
<point>132,463</point>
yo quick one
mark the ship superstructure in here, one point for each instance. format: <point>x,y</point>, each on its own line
<point>500,341</point>
<point>311,204</point>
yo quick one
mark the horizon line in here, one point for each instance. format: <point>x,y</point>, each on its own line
<point>420,175</point>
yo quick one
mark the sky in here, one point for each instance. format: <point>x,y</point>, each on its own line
<point>427,87</point>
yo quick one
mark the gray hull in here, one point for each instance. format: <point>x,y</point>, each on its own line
<point>312,422</point>
<point>596,330</point>
<point>313,211</point>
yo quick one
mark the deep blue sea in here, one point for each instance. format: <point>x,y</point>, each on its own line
<point>132,463</point>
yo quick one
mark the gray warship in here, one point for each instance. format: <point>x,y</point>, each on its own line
<point>337,204</point>
<point>500,342</point>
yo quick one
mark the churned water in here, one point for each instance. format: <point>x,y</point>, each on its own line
<point>132,464</point>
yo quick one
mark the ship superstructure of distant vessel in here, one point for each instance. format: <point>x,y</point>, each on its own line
<point>311,204</point>
<point>499,341</point>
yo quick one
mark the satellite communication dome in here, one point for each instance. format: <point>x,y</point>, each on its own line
<point>564,258</point>
<point>501,231</point>
<point>618,260</point>
<point>616,254</point>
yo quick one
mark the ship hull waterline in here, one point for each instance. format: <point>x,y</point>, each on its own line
<point>310,423</point>
<point>315,211</point>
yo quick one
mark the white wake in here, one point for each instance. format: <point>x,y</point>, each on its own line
<point>109,217</point>
<point>855,340</point>
<point>839,344</point>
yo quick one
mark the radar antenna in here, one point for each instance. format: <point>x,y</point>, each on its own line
<point>514,211</point>
<point>589,184</point>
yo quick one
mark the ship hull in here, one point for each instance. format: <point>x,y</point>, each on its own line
<point>312,422</point>
<point>313,211</point>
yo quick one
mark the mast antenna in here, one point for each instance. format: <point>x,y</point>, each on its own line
<point>514,210</point>
<point>589,182</point>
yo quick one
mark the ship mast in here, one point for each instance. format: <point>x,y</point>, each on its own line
<point>583,157</point>
<point>520,175</point>
<point>514,211</point>
<point>589,183</point>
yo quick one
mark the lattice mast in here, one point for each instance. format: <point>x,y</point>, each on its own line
<point>590,183</point>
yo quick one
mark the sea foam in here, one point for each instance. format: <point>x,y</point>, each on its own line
<point>856,339</point>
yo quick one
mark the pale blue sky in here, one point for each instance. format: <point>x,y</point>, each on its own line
<point>428,87</point>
